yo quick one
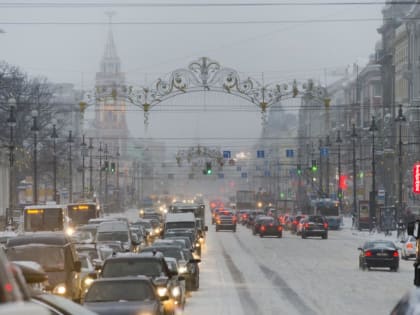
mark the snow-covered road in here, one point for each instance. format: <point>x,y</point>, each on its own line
<point>244,274</point>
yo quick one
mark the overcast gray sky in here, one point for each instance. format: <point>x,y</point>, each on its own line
<point>282,51</point>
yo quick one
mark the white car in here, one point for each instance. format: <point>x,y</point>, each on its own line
<point>408,249</point>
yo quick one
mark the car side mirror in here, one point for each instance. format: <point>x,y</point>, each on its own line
<point>173,273</point>
<point>181,278</point>
<point>97,263</point>
<point>93,275</point>
<point>206,228</point>
<point>359,248</point>
<point>77,266</point>
<point>193,261</point>
<point>164,298</point>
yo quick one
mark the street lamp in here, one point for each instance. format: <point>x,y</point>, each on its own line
<point>84,154</point>
<point>11,121</point>
<point>400,119</point>
<point>105,207</point>
<point>372,196</point>
<point>54,136</point>
<point>354,138</point>
<point>35,129</point>
<point>339,141</point>
<point>70,141</point>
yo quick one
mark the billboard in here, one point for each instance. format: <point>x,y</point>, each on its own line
<point>416,178</point>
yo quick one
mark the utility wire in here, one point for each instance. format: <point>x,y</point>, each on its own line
<point>196,4</point>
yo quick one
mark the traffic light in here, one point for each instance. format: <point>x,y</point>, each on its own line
<point>208,170</point>
<point>342,182</point>
<point>299,170</point>
<point>106,166</point>
<point>112,167</point>
<point>314,166</point>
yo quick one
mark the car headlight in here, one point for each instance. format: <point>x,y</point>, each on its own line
<point>151,233</point>
<point>182,269</point>
<point>88,282</point>
<point>157,230</point>
<point>162,291</point>
<point>69,231</point>
<point>197,244</point>
<point>176,291</point>
<point>60,289</point>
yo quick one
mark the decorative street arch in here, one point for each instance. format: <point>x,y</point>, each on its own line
<point>206,74</point>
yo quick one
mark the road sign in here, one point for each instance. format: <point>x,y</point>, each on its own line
<point>416,178</point>
<point>226,155</point>
<point>260,154</point>
<point>289,153</point>
<point>244,175</point>
<point>324,151</point>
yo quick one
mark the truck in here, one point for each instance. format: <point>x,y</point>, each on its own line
<point>245,199</point>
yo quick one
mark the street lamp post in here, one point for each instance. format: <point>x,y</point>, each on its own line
<point>90,166</point>
<point>106,178</point>
<point>400,119</point>
<point>70,141</point>
<point>327,179</point>
<point>321,182</point>
<point>339,190</point>
<point>35,129</point>
<point>372,196</point>
<point>54,136</point>
<point>11,121</point>
<point>100,171</point>
<point>118,178</point>
<point>84,154</point>
<point>354,138</point>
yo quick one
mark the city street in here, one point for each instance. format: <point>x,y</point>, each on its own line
<point>244,274</point>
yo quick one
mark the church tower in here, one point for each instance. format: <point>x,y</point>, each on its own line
<point>110,111</point>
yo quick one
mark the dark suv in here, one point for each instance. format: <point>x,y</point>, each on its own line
<point>152,265</point>
<point>315,225</point>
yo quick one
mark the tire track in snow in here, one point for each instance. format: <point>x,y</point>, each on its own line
<point>285,289</point>
<point>249,305</point>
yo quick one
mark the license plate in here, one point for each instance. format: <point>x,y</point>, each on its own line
<point>382,254</point>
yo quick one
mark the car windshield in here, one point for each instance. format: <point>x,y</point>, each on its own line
<point>108,291</point>
<point>316,219</point>
<point>112,236</point>
<point>145,224</point>
<point>173,252</point>
<point>379,244</point>
<point>132,267</point>
<point>51,258</point>
<point>180,225</point>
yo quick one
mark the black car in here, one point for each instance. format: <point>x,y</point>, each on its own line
<point>153,266</point>
<point>315,225</point>
<point>226,220</point>
<point>379,253</point>
<point>188,266</point>
<point>259,220</point>
<point>124,296</point>
<point>270,227</point>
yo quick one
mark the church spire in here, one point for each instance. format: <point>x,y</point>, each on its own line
<point>110,62</point>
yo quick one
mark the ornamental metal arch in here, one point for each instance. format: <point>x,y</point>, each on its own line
<point>206,74</point>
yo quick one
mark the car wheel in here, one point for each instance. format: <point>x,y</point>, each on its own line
<point>303,235</point>
<point>234,230</point>
<point>394,269</point>
<point>253,232</point>
<point>280,235</point>
<point>217,229</point>
<point>325,236</point>
<point>261,235</point>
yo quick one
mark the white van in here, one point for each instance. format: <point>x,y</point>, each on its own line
<point>116,231</point>
<point>177,221</point>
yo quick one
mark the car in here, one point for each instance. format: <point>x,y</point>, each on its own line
<point>409,304</point>
<point>226,220</point>
<point>56,253</point>
<point>257,223</point>
<point>152,265</point>
<point>314,225</point>
<point>179,293</point>
<point>58,305</point>
<point>295,222</point>
<point>379,253</point>
<point>188,265</point>
<point>271,227</point>
<point>408,249</point>
<point>125,296</point>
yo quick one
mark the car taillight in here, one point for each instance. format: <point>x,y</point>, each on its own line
<point>306,225</point>
<point>368,253</point>
<point>409,245</point>
<point>295,222</point>
<point>218,221</point>
<point>325,225</point>
<point>262,228</point>
<point>395,254</point>
<point>279,228</point>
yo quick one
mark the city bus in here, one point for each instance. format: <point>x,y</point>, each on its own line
<point>49,217</point>
<point>80,213</point>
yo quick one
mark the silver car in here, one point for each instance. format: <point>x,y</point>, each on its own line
<point>408,249</point>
